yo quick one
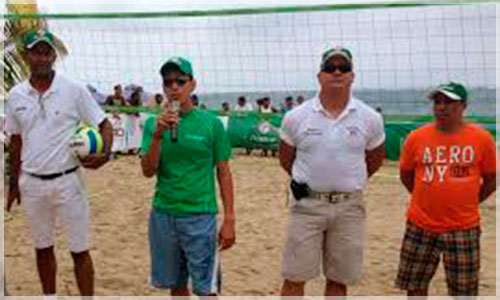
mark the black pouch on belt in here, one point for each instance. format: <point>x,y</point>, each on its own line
<point>299,190</point>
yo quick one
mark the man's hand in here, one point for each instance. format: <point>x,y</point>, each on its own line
<point>13,195</point>
<point>227,235</point>
<point>94,161</point>
<point>165,121</point>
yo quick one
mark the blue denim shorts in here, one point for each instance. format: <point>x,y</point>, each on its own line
<point>182,248</point>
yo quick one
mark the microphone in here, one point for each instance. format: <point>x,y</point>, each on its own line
<point>174,106</point>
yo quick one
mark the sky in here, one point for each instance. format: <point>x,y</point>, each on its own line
<point>393,48</point>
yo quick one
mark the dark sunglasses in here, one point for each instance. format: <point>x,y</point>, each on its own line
<point>179,80</point>
<point>332,69</point>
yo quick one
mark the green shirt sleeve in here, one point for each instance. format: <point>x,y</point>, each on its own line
<point>147,135</point>
<point>222,147</point>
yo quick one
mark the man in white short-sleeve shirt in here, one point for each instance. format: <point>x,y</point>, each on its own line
<point>330,145</point>
<point>43,113</point>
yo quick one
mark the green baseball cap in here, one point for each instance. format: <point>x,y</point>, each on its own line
<point>452,90</point>
<point>177,63</point>
<point>34,37</point>
<point>338,50</point>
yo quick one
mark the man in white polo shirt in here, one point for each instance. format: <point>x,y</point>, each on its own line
<point>43,113</point>
<point>330,145</point>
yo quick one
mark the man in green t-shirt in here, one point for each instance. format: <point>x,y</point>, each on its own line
<point>182,224</point>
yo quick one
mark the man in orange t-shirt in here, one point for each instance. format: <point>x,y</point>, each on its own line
<point>449,167</point>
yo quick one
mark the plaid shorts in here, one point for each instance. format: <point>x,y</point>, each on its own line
<point>420,255</point>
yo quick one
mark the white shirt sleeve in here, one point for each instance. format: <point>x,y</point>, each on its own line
<point>12,125</point>
<point>377,129</point>
<point>89,110</point>
<point>288,130</point>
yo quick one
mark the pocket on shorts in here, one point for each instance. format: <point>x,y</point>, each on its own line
<point>74,185</point>
<point>357,206</point>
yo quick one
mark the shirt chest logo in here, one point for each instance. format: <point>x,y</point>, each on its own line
<point>441,160</point>
<point>313,131</point>
<point>353,131</point>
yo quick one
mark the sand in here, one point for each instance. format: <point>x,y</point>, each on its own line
<point>119,201</point>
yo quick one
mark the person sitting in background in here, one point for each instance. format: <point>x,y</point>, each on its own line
<point>195,100</point>
<point>379,110</point>
<point>259,103</point>
<point>135,100</point>
<point>243,105</point>
<point>117,99</point>
<point>287,105</point>
<point>226,110</point>
<point>266,107</point>
<point>158,99</point>
<point>300,99</point>
<point>133,128</point>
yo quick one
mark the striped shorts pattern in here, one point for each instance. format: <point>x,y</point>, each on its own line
<point>420,254</point>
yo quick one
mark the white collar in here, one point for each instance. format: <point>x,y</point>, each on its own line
<point>351,106</point>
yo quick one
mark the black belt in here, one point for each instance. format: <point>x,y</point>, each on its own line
<point>54,175</point>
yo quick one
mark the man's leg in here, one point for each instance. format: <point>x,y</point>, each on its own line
<point>303,245</point>
<point>343,246</point>
<point>180,292</point>
<point>461,260</point>
<point>198,240</point>
<point>47,268</point>
<point>335,289</point>
<point>84,272</point>
<point>168,262</point>
<point>293,288</point>
<point>417,294</point>
<point>418,261</point>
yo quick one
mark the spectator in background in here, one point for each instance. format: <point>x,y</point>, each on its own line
<point>135,98</point>
<point>195,100</point>
<point>243,105</point>
<point>379,110</point>
<point>300,99</point>
<point>259,103</point>
<point>287,105</point>
<point>226,110</point>
<point>266,107</point>
<point>133,124</point>
<point>158,99</point>
<point>117,99</point>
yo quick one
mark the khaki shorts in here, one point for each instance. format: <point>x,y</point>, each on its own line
<point>331,234</point>
<point>61,201</point>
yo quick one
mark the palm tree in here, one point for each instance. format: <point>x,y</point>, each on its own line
<point>15,69</point>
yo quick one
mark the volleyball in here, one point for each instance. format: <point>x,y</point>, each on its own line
<point>86,141</point>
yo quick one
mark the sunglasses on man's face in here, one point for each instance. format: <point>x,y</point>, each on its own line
<point>181,81</point>
<point>341,68</point>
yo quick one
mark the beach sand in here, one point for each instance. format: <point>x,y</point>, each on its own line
<point>119,207</point>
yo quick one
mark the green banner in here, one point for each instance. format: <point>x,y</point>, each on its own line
<point>253,130</point>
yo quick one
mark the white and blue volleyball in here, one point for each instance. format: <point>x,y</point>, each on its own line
<point>86,141</point>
